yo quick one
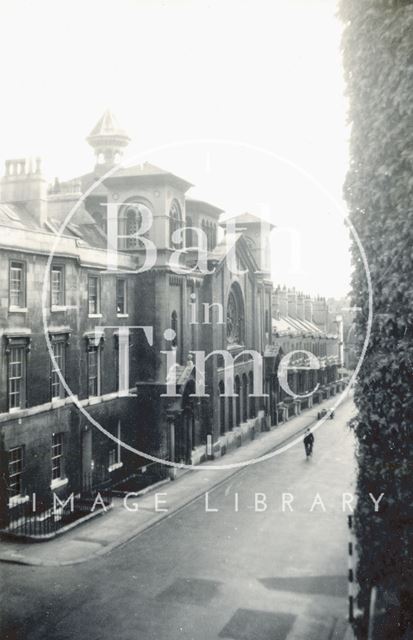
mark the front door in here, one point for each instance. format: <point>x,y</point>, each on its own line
<point>87,459</point>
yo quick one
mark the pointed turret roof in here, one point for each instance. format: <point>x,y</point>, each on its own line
<point>107,126</point>
<point>108,140</point>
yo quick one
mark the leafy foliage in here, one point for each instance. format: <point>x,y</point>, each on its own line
<point>378,63</point>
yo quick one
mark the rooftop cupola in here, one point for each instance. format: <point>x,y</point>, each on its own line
<point>108,140</point>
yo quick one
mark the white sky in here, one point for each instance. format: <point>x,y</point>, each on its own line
<point>263,73</point>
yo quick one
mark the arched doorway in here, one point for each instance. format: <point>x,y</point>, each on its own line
<point>185,440</point>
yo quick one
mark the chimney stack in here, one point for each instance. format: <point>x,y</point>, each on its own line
<point>292,303</point>
<point>320,313</point>
<point>300,306</point>
<point>276,303</point>
<point>308,309</point>
<point>23,183</point>
<point>283,302</point>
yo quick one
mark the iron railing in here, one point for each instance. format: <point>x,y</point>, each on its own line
<point>27,519</point>
<point>142,478</point>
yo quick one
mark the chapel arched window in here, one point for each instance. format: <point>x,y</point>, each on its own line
<point>175,221</point>
<point>235,317</point>
<point>129,222</point>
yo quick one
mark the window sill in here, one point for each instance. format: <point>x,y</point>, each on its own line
<point>57,307</point>
<point>17,309</point>
<point>122,315</point>
<point>94,399</point>
<point>115,466</point>
<point>59,482</point>
<point>58,402</point>
<point>16,500</point>
<point>95,315</point>
<point>16,409</point>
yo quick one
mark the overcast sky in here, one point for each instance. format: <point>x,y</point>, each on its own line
<point>261,80</point>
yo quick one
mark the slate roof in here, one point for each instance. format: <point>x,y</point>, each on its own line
<point>247,218</point>
<point>286,325</point>
<point>201,206</point>
<point>16,215</point>
<point>144,170</point>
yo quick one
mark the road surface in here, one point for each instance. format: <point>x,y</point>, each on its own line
<point>243,562</point>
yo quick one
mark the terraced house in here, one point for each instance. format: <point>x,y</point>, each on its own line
<point>303,325</point>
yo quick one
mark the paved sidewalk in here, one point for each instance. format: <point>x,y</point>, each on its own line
<point>119,525</point>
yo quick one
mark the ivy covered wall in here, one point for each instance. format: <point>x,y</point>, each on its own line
<point>378,62</point>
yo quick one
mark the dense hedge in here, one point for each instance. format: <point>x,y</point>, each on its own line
<point>378,63</point>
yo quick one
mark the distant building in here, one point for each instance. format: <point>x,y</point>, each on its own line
<point>301,323</point>
<point>343,308</point>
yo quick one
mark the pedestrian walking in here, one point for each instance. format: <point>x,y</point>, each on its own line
<point>308,443</point>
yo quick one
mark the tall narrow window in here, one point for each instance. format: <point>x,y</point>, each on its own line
<point>174,327</point>
<point>16,471</point>
<point>115,460</point>
<point>57,388</point>
<point>93,295</point>
<point>251,397</point>
<point>267,321</point>
<point>93,369</point>
<point>230,413</point>
<point>121,296</point>
<point>235,316</point>
<point>133,220</point>
<point>130,220</point>
<point>17,377</point>
<point>237,401</point>
<point>188,233</point>
<point>57,286</point>
<point>221,400</point>
<point>244,398</point>
<point>175,220</point>
<point>205,230</point>
<point>57,456</point>
<point>17,285</point>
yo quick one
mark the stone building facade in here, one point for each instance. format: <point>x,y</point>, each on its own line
<point>72,413</point>
<point>128,337</point>
<point>303,325</point>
